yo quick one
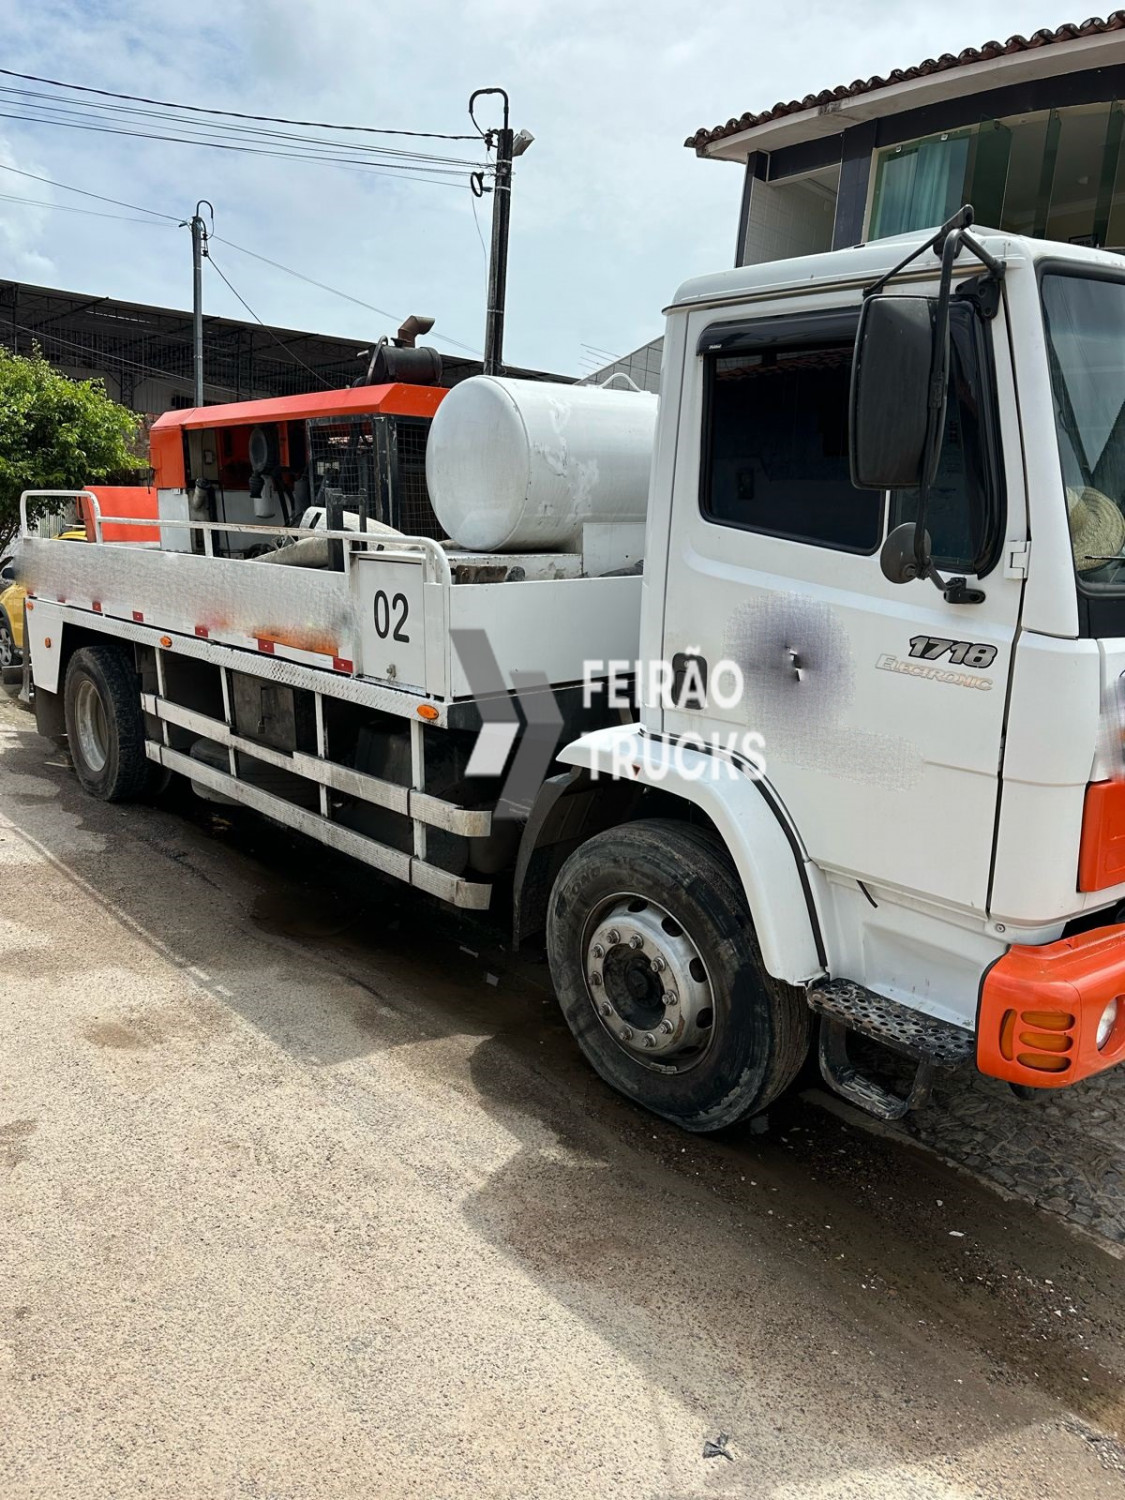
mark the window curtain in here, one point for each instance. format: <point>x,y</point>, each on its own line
<point>921,186</point>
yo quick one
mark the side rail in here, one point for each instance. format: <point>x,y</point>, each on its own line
<point>433,554</point>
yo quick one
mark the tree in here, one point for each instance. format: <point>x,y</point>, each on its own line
<point>59,434</point>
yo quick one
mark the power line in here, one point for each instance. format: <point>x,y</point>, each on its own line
<point>335,291</point>
<point>67,208</point>
<point>85,109</point>
<point>294,357</point>
<point>234,114</point>
<point>439,176</point>
<point>66,188</point>
<point>253,254</point>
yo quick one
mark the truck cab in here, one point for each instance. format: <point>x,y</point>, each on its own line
<point>944,763</point>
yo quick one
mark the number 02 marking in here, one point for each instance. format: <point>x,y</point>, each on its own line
<point>384,609</point>
<point>960,653</point>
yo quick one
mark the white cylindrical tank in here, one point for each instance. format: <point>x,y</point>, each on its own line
<point>521,465</point>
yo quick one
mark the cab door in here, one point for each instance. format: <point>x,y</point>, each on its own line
<point>880,706</point>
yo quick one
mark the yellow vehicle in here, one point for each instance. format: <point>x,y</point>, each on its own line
<point>12,595</point>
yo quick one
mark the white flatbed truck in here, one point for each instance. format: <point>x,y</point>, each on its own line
<point>886,500</point>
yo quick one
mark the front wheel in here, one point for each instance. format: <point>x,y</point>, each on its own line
<point>104,725</point>
<point>660,977</point>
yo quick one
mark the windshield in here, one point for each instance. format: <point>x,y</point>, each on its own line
<point>1085,321</point>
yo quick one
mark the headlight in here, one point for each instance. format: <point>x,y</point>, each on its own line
<point>1107,1023</point>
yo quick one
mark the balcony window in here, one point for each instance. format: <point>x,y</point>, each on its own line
<point>919,184</point>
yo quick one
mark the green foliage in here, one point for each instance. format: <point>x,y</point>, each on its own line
<point>59,434</point>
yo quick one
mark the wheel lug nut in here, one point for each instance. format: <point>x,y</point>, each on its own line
<point>595,979</point>
<point>666,1027</point>
<point>671,998</point>
<point>626,1033</point>
<point>658,965</point>
<point>636,941</point>
<point>613,936</point>
<point>650,1040</point>
<point>598,951</point>
<point>606,1008</point>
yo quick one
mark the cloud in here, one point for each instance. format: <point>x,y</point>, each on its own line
<point>610,213</point>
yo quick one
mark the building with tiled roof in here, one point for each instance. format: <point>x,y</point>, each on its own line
<point>1030,131</point>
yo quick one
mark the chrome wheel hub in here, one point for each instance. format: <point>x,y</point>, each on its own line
<point>89,721</point>
<point>648,982</point>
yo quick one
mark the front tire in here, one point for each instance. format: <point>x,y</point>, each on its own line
<point>104,724</point>
<point>660,977</point>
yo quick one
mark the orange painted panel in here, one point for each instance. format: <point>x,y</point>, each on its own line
<point>1101,857</point>
<point>135,500</point>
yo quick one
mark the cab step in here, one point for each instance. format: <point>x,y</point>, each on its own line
<point>931,1043</point>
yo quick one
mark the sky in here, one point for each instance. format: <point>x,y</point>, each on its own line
<point>610,213</point>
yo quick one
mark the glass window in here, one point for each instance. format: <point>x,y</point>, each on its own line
<point>919,185</point>
<point>776,452</point>
<point>1077,172</point>
<point>960,514</point>
<point>1085,322</point>
<point>778,448</point>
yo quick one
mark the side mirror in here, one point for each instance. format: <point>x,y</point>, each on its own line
<point>889,415</point>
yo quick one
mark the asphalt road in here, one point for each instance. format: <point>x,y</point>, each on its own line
<point>305,1192</point>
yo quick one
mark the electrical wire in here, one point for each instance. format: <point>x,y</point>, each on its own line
<point>242,250</point>
<point>439,176</point>
<point>233,114</point>
<point>101,197</point>
<point>82,109</point>
<point>336,292</point>
<point>67,208</point>
<point>284,347</point>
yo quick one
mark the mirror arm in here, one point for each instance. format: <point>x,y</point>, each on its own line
<point>954,590</point>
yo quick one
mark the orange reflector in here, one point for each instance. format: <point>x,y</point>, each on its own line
<point>1049,1020</point>
<point>1043,1041</point>
<point>166,640</point>
<point>1039,1062</point>
<point>427,711</point>
<point>28,604</point>
<point>47,641</point>
<point>1007,1034</point>
<point>1101,855</point>
<point>96,604</point>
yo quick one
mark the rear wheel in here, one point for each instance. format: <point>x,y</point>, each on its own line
<point>104,724</point>
<point>10,654</point>
<point>661,980</point>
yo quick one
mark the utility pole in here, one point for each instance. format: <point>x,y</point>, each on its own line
<point>507,146</point>
<point>198,251</point>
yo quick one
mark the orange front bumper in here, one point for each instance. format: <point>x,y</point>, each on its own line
<point>1040,1009</point>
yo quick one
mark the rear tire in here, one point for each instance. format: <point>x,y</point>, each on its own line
<point>104,724</point>
<point>661,980</point>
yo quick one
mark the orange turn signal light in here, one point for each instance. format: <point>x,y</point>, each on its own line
<point>427,711</point>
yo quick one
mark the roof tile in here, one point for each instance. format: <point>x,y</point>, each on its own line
<point>1069,32</point>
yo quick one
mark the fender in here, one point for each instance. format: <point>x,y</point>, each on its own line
<point>779,880</point>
